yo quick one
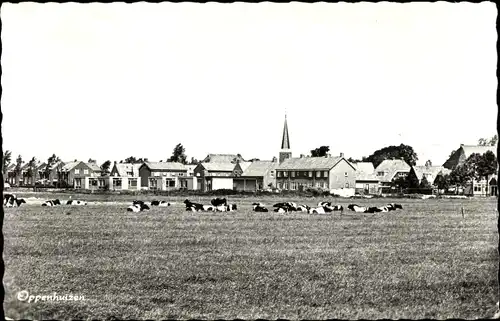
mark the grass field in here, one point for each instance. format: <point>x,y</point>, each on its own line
<point>425,261</point>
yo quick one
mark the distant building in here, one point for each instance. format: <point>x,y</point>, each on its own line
<point>366,180</point>
<point>214,175</point>
<point>285,152</point>
<point>125,170</point>
<point>161,175</point>
<point>477,187</point>
<point>321,172</point>
<point>73,174</point>
<point>258,175</point>
<point>390,170</point>
<point>429,172</point>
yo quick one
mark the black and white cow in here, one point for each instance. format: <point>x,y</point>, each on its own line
<point>9,199</point>
<point>160,203</point>
<point>285,207</point>
<point>303,208</point>
<point>393,207</point>
<point>14,202</point>
<point>138,207</point>
<point>259,207</point>
<point>194,207</point>
<point>356,208</point>
<point>138,202</point>
<point>231,207</point>
<point>317,210</point>
<point>76,202</point>
<point>52,203</point>
<point>218,201</point>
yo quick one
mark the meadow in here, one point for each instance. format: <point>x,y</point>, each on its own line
<point>425,261</point>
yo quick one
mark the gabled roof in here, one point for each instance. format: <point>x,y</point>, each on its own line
<point>165,166</point>
<point>70,165</point>
<point>244,165</point>
<point>310,163</point>
<point>218,167</point>
<point>41,166</point>
<point>124,168</point>
<point>222,158</point>
<point>471,149</point>
<point>364,167</point>
<point>390,167</point>
<point>94,167</point>
<point>259,168</point>
<point>10,167</point>
<point>430,171</point>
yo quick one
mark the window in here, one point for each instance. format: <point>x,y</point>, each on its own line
<point>272,173</point>
<point>285,174</point>
<point>156,174</point>
<point>78,183</point>
<point>297,174</point>
<point>153,183</point>
<point>310,174</point>
<point>279,174</point>
<point>285,185</point>
<point>346,185</point>
<point>292,174</point>
<point>117,183</point>
<point>345,174</point>
<point>293,186</point>
<point>380,173</point>
<point>318,173</point>
<point>171,183</point>
<point>93,182</point>
<point>85,171</point>
<point>280,185</point>
<point>317,184</point>
<point>325,185</point>
<point>325,174</point>
<point>77,171</point>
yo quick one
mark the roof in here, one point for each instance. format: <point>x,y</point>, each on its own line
<point>220,167</point>
<point>94,167</point>
<point>364,167</point>
<point>10,167</point>
<point>124,168</point>
<point>259,168</point>
<point>430,171</point>
<point>320,163</point>
<point>70,165</point>
<point>367,177</point>
<point>41,166</point>
<point>244,165</point>
<point>222,158</point>
<point>165,166</point>
<point>390,167</point>
<point>471,149</point>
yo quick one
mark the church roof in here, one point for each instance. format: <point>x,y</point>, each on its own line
<point>285,142</point>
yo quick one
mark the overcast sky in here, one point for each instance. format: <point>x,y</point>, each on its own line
<point>107,81</point>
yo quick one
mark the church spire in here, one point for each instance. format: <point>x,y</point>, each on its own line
<point>285,142</point>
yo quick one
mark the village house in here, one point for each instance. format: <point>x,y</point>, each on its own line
<point>366,180</point>
<point>123,176</point>
<point>74,173</point>
<point>161,175</point>
<point>214,176</point>
<point>481,187</point>
<point>429,172</point>
<point>257,175</point>
<point>10,174</point>
<point>320,172</point>
<point>390,170</point>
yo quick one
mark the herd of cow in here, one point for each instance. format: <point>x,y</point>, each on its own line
<point>323,208</point>
<point>221,205</point>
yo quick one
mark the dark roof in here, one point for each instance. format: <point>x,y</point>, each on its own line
<point>285,142</point>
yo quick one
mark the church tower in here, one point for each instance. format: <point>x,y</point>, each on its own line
<point>285,152</point>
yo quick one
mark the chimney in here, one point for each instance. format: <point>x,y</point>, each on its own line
<point>275,159</point>
<point>145,159</point>
<point>341,154</point>
<point>461,145</point>
<point>302,155</point>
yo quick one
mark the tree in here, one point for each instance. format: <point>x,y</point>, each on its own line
<point>428,163</point>
<point>404,152</point>
<point>254,160</point>
<point>105,167</point>
<point>488,142</point>
<point>352,160</point>
<point>19,165</point>
<point>92,161</point>
<point>320,152</point>
<point>131,160</point>
<point>31,173</point>
<point>194,161</point>
<point>424,183</point>
<point>178,155</point>
<point>7,158</point>
<point>442,181</point>
<point>461,175</point>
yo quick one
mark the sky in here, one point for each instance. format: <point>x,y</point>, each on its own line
<point>108,81</point>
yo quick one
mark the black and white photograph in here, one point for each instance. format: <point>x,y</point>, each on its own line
<point>249,161</point>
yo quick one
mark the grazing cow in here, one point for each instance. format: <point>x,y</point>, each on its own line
<point>160,203</point>
<point>20,201</point>
<point>259,207</point>
<point>373,210</point>
<point>137,202</point>
<point>137,208</point>
<point>76,202</point>
<point>196,206</point>
<point>317,210</point>
<point>218,201</point>
<point>52,203</point>
<point>303,208</point>
<point>9,198</point>
<point>357,208</point>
